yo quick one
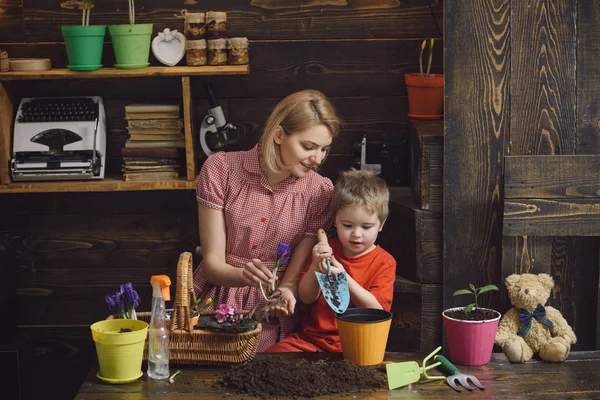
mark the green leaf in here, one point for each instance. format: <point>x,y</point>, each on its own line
<point>472,287</point>
<point>488,288</point>
<point>469,308</point>
<point>461,291</point>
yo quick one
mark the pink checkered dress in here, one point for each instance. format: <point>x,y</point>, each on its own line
<point>258,216</point>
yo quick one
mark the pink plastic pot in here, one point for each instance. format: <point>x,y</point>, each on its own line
<point>470,342</point>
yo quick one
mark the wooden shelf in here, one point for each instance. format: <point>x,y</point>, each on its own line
<point>109,184</point>
<point>64,73</point>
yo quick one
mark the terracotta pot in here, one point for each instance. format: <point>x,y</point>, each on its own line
<point>425,96</point>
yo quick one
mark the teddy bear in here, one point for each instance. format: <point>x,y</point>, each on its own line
<point>529,327</point>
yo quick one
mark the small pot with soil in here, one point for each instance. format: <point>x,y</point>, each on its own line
<point>471,330</point>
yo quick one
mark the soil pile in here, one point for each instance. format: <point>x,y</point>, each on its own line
<point>476,315</point>
<point>276,376</point>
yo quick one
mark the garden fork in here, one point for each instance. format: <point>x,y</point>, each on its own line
<point>456,375</point>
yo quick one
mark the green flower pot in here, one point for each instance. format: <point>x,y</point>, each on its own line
<point>84,46</point>
<point>119,354</point>
<point>131,44</point>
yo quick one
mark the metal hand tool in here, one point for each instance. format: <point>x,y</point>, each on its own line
<point>456,375</point>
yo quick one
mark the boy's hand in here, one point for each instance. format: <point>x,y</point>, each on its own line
<point>322,250</point>
<point>336,267</point>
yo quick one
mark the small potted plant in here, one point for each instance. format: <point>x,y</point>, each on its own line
<point>131,42</point>
<point>227,319</point>
<point>85,42</point>
<point>120,341</point>
<point>471,330</point>
<point>425,90</point>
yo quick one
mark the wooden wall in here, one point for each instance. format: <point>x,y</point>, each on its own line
<point>78,247</point>
<point>521,79</point>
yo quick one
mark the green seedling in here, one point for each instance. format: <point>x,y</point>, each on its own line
<point>476,292</point>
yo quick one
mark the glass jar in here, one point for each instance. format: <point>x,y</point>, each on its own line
<point>216,25</point>
<point>217,52</point>
<point>193,24</point>
<point>237,51</point>
<point>196,52</point>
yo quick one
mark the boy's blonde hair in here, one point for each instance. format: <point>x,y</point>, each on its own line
<point>297,112</point>
<point>361,189</point>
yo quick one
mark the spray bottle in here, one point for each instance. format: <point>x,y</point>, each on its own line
<point>158,338</point>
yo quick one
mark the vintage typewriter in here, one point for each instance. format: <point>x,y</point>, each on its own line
<point>59,138</point>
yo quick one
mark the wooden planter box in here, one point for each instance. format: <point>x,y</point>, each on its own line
<point>426,163</point>
<point>414,238</point>
<point>417,317</point>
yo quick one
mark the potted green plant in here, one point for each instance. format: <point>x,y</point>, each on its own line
<point>120,341</point>
<point>425,90</point>
<point>131,42</point>
<point>471,330</point>
<point>84,43</point>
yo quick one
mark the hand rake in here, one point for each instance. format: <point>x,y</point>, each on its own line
<point>456,375</point>
<point>405,373</point>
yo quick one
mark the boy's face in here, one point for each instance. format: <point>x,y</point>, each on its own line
<point>357,230</point>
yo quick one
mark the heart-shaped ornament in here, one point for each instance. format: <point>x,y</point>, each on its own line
<point>169,47</point>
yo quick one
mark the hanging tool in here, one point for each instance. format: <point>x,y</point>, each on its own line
<point>456,375</point>
<point>334,286</point>
<point>405,373</point>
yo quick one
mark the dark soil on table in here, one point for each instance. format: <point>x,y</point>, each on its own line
<point>277,377</point>
<point>477,314</point>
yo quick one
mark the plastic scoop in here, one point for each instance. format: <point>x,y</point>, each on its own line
<point>334,286</point>
<point>405,373</point>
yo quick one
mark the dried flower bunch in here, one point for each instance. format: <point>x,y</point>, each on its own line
<point>124,301</point>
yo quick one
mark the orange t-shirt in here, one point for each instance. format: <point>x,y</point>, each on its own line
<point>374,271</point>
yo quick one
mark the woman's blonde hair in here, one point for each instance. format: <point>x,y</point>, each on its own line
<point>361,189</point>
<point>297,112</point>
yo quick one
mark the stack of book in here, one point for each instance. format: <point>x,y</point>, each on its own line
<point>155,135</point>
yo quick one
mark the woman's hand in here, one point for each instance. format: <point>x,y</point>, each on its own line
<point>255,272</point>
<point>336,267</point>
<point>289,302</point>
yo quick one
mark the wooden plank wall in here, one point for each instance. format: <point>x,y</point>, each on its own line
<point>78,247</point>
<point>528,86</point>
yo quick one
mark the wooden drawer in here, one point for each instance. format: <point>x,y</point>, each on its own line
<point>417,317</point>
<point>414,238</point>
<point>426,163</point>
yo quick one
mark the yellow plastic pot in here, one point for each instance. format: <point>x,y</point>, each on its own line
<point>119,354</point>
<point>364,333</point>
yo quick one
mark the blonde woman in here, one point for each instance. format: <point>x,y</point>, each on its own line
<point>250,201</point>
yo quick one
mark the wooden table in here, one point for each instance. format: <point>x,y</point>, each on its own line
<point>578,377</point>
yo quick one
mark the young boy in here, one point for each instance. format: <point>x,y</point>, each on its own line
<point>360,208</point>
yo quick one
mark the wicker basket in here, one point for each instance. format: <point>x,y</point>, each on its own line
<point>201,347</point>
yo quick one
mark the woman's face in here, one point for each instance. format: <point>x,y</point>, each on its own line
<point>303,150</point>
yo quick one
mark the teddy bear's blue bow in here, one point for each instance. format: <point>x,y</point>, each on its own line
<point>539,313</point>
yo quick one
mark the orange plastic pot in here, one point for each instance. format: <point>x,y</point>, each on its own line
<point>425,96</point>
<point>363,334</point>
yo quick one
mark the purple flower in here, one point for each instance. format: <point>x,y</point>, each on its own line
<point>130,296</point>
<point>223,312</point>
<point>283,253</point>
<point>112,302</point>
<point>124,301</point>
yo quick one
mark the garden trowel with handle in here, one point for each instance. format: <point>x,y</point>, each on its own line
<point>334,286</point>
<point>404,373</point>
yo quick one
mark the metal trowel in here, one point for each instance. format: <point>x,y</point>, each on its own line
<point>334,286</point>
